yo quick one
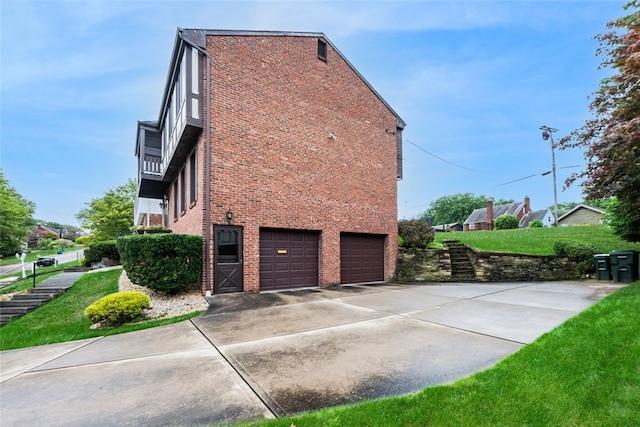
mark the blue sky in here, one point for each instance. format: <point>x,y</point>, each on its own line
<point>473,80</point>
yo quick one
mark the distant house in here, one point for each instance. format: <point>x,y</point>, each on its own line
<point>483,218</point>
<point>42,232</point>
<point>454,226</point>
<point>543,215</point>
<point>581,215</point>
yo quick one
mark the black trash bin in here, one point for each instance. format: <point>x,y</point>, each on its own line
<point>624,266</point>
<point>603,266</point>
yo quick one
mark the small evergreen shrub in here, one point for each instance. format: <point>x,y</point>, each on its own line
<point>415,233</point>
<point>506,222</point>
<point>536,223</point>
<point>581,252</point>
<point>164,262</point>
<point>117,309</point>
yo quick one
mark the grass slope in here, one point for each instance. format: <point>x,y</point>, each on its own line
<point>539,241</point>
<point>585,372</point>
<point>62,319</point>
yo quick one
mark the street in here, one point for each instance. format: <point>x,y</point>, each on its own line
<point>70,256</point>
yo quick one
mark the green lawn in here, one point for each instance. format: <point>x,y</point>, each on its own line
<point>62,319</point>
<point>586,372</point>
<point>539,241</point>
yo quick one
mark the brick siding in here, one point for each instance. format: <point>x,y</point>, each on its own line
<point>274,105</point>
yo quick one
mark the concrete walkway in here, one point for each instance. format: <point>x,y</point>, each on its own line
<point>264,355</point>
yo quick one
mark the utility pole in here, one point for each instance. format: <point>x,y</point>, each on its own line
<point>547,133</point>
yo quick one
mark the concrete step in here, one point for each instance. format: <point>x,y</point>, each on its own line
<point>16,310</point>
<point>45,290</point>
<point>34,296</point>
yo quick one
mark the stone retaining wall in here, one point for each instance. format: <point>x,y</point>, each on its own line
<point>434,265</point>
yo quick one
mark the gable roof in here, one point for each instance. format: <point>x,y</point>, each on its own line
<point>581,206</point>
<point>480,215</point>
<point>533,215</point>
<point>198,39</point>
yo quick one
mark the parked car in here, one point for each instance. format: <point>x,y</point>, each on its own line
<point>45,261</point>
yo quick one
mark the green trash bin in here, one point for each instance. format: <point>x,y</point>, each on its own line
<point>603,266</point>
<point>624,266</point>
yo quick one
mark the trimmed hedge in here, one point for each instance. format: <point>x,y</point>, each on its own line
<point>164,262</point>
<point>581,252</point>
<point>119,308</point>
<point>96,251</point>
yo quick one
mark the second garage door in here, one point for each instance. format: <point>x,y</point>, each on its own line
<point>288,259</point>
<point>361,258</point>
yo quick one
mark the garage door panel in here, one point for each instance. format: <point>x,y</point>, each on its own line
<point>288,259</point>
<point>361,258</point>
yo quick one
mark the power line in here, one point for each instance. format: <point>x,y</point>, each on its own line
<point>444,160</point>
<point>536,174</point>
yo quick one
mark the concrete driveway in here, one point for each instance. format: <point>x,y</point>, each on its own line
<point>270,354</point>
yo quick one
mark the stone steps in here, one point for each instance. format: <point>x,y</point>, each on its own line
<point>461,265</point>
<point>23,303</point>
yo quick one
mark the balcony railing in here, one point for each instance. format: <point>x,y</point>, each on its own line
<point>152,165</point>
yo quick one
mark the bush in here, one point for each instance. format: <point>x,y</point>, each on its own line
<point>97,251</point>
<point>83,240</point>
<point>164,262</point>
<point>59,244</point>
<point>117,309</point>
<point>581,252</point>
<point>536,223</point>
<point>506,222</point>
<point>415,233</point>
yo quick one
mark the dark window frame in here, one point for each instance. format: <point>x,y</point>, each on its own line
<point>175,200</point>
<point>193,178</point>
<point>322,50</point>
<point>183,191</point>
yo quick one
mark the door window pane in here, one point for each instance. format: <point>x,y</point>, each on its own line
<point>228,247</point>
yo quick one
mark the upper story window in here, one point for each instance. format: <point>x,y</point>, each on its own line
<point>322,50</point>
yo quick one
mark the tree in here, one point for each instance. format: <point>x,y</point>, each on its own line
<point>612,135</point>
<point>507,222</point>
<point>456,208</point>
<point>110,216</point>
<point>16,218</point>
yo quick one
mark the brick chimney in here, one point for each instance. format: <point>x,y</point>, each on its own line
<point>527,204</point>
<point>489,214</point>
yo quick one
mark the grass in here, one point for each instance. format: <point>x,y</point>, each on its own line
<point>539,241</point>
<point>62,319</point>
<point>586,372</point>
<point>42,273</point>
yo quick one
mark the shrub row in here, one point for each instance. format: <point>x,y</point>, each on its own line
<point>165,262</point>
<point>96,251</point>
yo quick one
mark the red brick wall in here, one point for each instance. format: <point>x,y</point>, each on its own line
<point>274,105</point>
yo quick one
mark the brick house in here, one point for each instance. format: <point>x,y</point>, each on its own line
<point>483,218</point>
<point>280,154</point>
